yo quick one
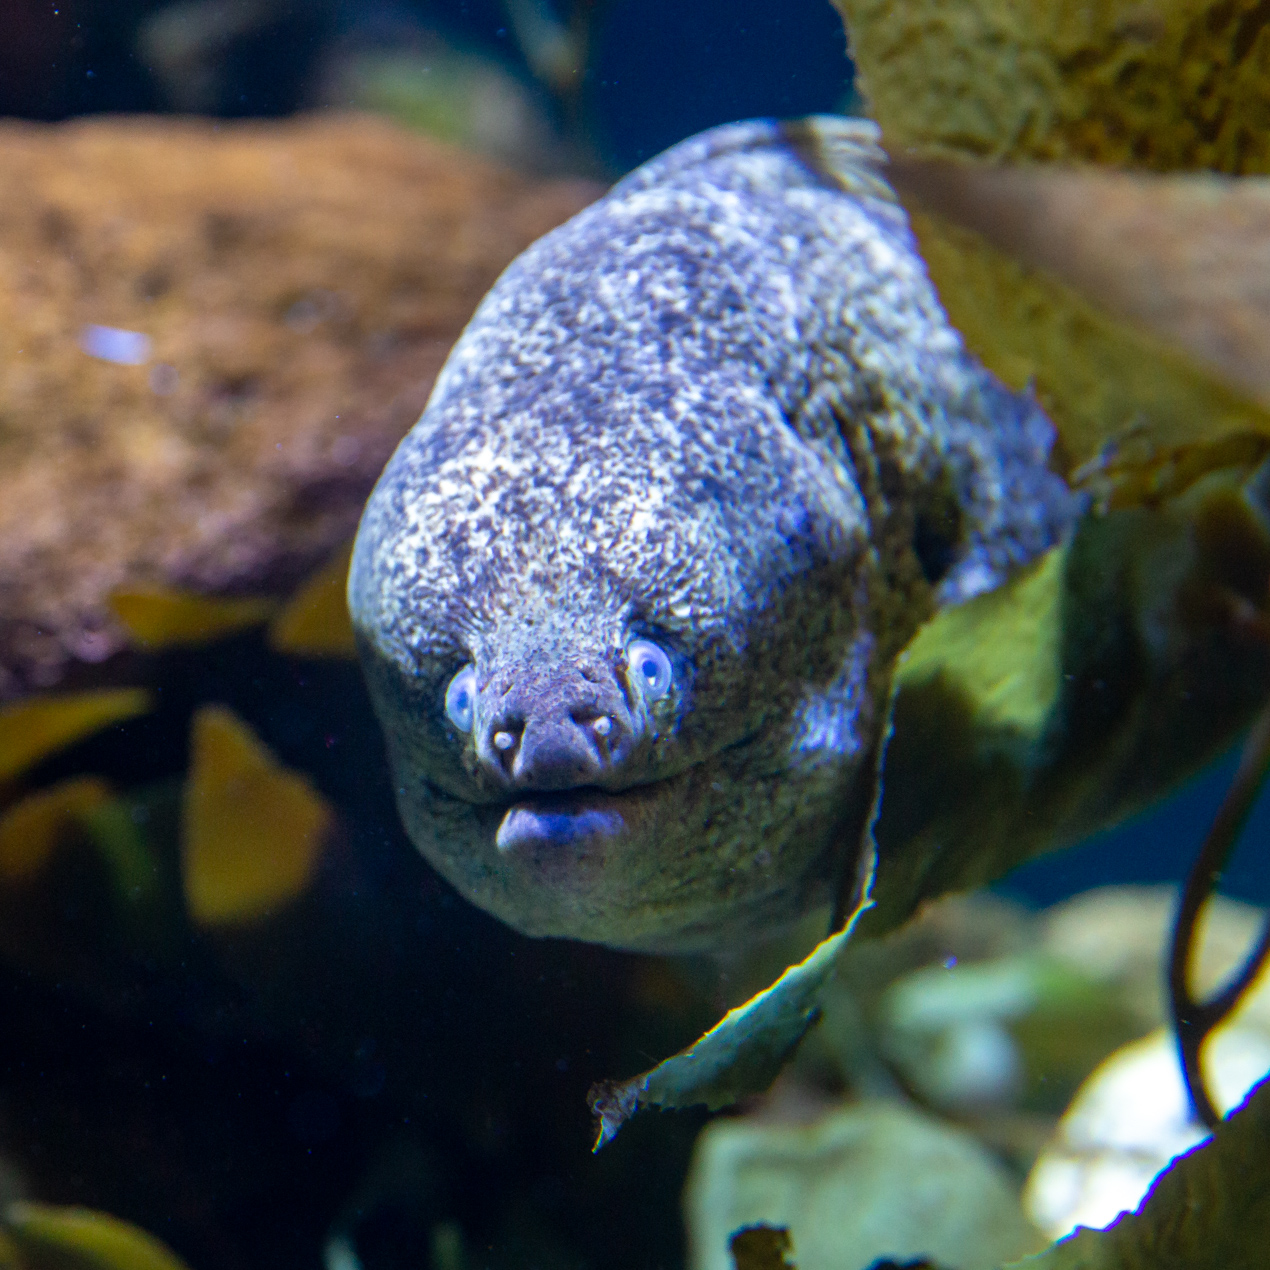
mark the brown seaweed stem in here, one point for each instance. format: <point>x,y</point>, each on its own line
<point>1194,1020</point>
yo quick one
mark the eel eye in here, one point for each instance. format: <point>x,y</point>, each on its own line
<point>460,699</point>
<point>651,667</point>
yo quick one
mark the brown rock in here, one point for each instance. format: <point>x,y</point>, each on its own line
<point>299,285</point>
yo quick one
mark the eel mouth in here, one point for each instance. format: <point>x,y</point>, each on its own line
<point>570,817</point>
<point>590,818</point>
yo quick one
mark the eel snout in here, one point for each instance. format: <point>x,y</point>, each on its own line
<point>555,737</point>
<point>552,728</point>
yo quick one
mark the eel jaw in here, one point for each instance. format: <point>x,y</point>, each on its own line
<point>567,818</point>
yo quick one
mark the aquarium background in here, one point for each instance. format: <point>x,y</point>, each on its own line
<point>655,72</point>
<point>389,1067</point>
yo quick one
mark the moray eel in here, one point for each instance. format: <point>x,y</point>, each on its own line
<point>629,595</point>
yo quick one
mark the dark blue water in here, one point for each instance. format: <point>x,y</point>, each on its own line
<point>666,69</point>
<point>657,71</point>
<point>1157,846</point>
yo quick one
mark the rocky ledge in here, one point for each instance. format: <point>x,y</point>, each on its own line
<point>211,337</point>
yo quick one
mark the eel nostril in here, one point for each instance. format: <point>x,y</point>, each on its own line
<point>505,740</point>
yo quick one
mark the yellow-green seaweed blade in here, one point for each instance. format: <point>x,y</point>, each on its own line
<point>740,1055</point>
<point>1210,1210</point>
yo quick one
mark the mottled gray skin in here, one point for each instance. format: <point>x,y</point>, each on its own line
<point>722,410</point>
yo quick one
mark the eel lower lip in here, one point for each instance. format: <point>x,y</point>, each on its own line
<point>557,820</point>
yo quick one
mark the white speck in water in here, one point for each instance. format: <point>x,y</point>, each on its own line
<point>114,344</point>
<point>504,740</point>
<point>603,725</point>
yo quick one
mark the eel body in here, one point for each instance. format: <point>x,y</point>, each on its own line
<point>629,595</point>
